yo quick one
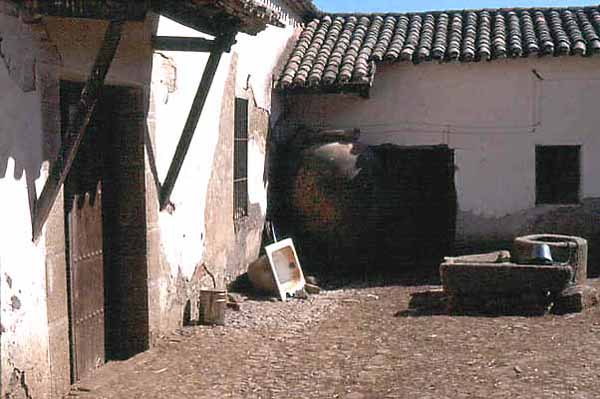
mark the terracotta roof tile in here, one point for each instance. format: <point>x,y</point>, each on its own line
<point>441,37</point>
<point>531,41</point>
<point>336,50</point>
<point>400,33</point>
<point>470,37</point>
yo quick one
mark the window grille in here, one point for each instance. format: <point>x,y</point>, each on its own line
<point>240,159</point>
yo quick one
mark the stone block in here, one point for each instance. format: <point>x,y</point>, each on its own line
<point>502,278</point>
<point>55,227</point>
<point>56,286</point>
<point>58,348</point>
<point>576,247</point>
<point>312,289</point>
<point>153,253</point>
<point>576,299</point>
<point>492,257</point>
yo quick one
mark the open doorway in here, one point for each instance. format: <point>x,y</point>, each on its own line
<point>417,204</point>
<point>105,228</point>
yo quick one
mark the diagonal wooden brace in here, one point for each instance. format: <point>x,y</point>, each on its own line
<point>221,44</point>
<point>76,130</point>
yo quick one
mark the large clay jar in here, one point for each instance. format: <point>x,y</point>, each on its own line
<point>333,201</point>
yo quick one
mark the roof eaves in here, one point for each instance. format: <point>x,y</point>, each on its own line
<point>359,89</point>
<point>305,8</point>
<point>247,16</point>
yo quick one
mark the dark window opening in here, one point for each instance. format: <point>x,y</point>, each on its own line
<point>558,174</point>
<point>240,159</point>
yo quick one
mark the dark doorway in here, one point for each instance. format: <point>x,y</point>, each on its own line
<point>417,204</point>
<point>105,227</point>
<point>557,174</point>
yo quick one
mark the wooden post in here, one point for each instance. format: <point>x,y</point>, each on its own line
<point>221,44</point>
<point>76,131</point>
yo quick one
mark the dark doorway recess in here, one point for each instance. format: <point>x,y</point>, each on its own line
<point>557,174</point>
<point>353,209</point>
<point>105,227</point>
<point>416,205</point>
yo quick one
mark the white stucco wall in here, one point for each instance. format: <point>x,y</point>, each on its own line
<point>183,231</point>
<point>78,42</point>
<point>492,115</point>
<point>27,134</point>
<point>23,316</point>
<point>24,143</point>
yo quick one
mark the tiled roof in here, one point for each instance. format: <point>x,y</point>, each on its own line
<point>339,50</point>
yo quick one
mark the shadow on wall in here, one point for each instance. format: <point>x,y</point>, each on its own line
<point>318,201</point>
<point>29,99</point>
<point>350,206</point>
<point>22,142</point>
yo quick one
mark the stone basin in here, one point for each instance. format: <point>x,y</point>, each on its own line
<point>493,275</point>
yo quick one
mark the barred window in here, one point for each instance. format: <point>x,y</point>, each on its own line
<point>240,159</point>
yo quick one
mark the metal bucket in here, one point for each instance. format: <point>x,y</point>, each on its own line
<point>211,307</point>
<point>541,254</point>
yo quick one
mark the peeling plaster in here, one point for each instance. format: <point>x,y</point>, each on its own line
<point>15,303</point>
<point>17,387</point>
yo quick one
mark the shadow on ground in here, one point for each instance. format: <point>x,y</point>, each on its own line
<point>435,302</point>
<point>406,276</point>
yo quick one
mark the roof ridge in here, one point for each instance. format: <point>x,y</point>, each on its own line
<point>456,11</point>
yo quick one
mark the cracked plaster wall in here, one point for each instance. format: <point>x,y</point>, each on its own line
<point>33,309</point>
<point>198,231</point>
<point>33,305</point>
<point>23,317</point>
<point>24,341</point>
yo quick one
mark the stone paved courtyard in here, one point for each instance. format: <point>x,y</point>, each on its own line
<point>363,343</point>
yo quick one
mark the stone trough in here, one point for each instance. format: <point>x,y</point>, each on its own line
<point>499,282</point>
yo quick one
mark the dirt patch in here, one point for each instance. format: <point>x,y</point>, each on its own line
<point>349,343</point>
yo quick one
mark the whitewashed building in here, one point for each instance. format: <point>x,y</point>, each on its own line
<point>512,93</point>
<point>101,266</point>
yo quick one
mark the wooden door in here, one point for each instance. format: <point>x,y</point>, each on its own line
<point>83,206</point>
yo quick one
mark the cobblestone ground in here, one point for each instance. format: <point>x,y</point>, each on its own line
<point>363,343</point>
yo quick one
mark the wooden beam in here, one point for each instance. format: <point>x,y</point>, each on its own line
<point>76,130</point>
<point>130,10</point>
<point>200,17</point>
<point>185,16</point>
<point>221,44</point>
<point>172,43</point>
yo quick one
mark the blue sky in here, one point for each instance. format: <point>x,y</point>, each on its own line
<point>426,5</point>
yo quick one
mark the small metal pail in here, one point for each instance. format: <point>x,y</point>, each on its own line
<point>212,305</point>
<point>541,254</point>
